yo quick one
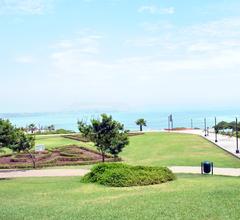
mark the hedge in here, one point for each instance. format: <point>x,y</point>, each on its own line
<point>122,175</point>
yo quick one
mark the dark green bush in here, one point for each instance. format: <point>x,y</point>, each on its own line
<point>121,175</point>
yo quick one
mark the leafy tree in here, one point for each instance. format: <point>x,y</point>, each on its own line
<point>141,122</point>
<point>7,133</point>
<point>32,127</point>
<point>118,144</point>
<point>221,126</point>
<point>107,134</point>
<point>51,128</point>
<point>226,125</point>
<point>24,143</point>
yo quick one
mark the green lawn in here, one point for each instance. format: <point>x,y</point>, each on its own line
<point>160,149</point>
<point>52,141</point>
<point>189,197</point>
<point>166,149</point>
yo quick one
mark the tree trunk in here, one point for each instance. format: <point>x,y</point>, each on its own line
<point>140,127</point>
<point>33,159</point>
<point>115,158</point>
<point>103,157</point>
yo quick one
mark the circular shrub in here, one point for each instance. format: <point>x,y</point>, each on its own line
<point>121,175</point>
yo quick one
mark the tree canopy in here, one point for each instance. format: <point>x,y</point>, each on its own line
<point>108,135</point>
<point>141,122</point>
<point>223,125</point>
<point>7,133</point>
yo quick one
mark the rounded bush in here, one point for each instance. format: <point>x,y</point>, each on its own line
<point>122,175</point>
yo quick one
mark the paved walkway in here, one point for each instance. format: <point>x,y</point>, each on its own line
<point>225,142</point>
<point>81,172</point>
<point>42,173</point>
<point>197,170</point>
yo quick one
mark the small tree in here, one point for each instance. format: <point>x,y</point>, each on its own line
<point>32,127</point>
<point>119,143</point>
<point>51,128</point>
<point>23,142</point>
<point>141,122</point>
<point>7,133</point>
<point>107,134</point>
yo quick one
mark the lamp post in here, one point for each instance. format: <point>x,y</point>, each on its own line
<point>168,124</point>
<point>216,140</point>
<point>237,150</point>
<point>191,124</point>
<point>205,127</point>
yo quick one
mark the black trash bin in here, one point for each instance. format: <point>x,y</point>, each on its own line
<point>207,167</point>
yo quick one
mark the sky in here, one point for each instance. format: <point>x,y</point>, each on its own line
<point>63,55</point>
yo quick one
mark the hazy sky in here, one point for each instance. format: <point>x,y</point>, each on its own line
<point>119,54</point>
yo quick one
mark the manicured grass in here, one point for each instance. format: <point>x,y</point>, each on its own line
<point>164,149</point>
<point>189,197</point>
<point>53,141</point>
<point>160,149</point>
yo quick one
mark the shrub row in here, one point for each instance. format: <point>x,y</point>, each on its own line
<point>51,163</point>
<point>122,175</point>
<point>74,158</point>
<point>18,160</point>
<point>44,156</point>
<point>6,155</point>
<point>63,149</point>
<point>66,154</point>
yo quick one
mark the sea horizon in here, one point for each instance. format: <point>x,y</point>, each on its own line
<point>156,119</point>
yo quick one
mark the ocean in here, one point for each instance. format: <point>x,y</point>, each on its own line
<point>156,120</point>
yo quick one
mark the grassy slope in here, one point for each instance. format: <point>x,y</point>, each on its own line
<point>175,149</point>
<point>159,149</point>
<point>190,197</point>
<point>52,141</point>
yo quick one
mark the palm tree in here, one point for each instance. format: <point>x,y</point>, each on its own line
<point>51,128</point>
<point>32,127</point>
<point>141,122</point>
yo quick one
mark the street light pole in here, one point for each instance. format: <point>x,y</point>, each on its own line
<point>168,124</point>
<point>205,127</point>
<point>191,124</point>
<point>237,150</point>
<point>216,140</point>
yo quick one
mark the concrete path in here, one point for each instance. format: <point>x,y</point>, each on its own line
<point>42,173</point>
<point>225,142</point>
<point>197,170</point>
<point>81,172</point>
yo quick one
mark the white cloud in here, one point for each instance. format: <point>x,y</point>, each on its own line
<point>25,6</point>
<point>153,9</point>
<point>193,61</point>
<point>86,42</point>
<point>157,26</point>
<point>187,59</point>
<point>26,59</point>
<point>209,38</point>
